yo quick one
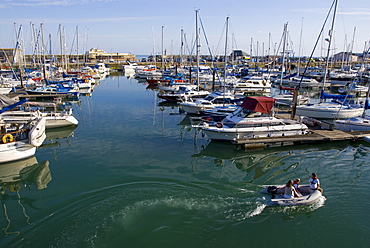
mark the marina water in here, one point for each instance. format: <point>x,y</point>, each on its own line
<point>135,174</point>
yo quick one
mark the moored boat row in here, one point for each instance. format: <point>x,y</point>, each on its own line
<point>23,122</point>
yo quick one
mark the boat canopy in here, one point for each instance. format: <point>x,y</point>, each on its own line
<point>323,95</point>
<point>261,104</point>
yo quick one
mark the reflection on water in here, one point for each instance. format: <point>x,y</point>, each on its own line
<point>266,165</point>
<point>23,174</point>
<point>60,133</point>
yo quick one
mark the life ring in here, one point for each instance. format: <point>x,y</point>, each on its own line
<point>5,138</point>
<point>219,125</point>
<point>16,126</point>
<point>14,187</point>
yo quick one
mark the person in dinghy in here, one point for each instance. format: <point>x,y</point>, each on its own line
<point>290,191</point>
<point>315,183</point>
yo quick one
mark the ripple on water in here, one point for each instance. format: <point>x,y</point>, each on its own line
<point>119,214</point>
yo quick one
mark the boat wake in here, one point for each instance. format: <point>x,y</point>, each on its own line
<point>291,212</point>
<point>121,212</point>
<point>143,210</point>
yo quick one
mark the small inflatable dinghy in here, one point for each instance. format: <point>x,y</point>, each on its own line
<point>277,198</point>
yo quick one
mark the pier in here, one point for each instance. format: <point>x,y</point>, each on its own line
<point>314,136</point>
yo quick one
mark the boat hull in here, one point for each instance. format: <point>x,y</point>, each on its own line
<point>328,112</point>
<point>195,109</point>
<point>308,197</point>
<point>229,134</point>
<point>52,120</point>
<point>15,151</point>
<point>37,134</point>
<point>358,124</point>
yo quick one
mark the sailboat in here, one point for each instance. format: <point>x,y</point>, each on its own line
<point>338,108</point>
<point>361,123</point>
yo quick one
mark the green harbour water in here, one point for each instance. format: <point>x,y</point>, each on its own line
<point>134,173</point>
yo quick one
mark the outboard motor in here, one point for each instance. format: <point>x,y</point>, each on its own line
<point>272,190</point>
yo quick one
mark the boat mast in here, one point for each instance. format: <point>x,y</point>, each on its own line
<point>162,50</point>
<point>225,59</point>
<point>197,31</point>
<point>328,51</point>
<point>285,31</point>
<point>154,56</point>
<point>51,56</point>
<point>77,56</point>
<point>300,47</point>
<point>61,45</point>
<point>351,49</point>
<point>182,48</point>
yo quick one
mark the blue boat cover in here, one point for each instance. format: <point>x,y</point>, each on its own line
<point>11,106</point>
<point>323,95</point>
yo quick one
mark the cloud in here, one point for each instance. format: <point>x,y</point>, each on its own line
<point>356,12</point>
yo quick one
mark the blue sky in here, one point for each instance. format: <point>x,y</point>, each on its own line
<point>136,26</point>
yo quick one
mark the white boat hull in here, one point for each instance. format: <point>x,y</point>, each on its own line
<point>52,120</point>
<point>15,151</point>
<point>192,108</point>
<point>229,134</point>
<point>307,197</point>
<point>327,111</point>
<point>37,134</point>
<point>353,124</point>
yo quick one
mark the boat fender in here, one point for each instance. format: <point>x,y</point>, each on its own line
<point>7,138</point>
<point>219,125</point>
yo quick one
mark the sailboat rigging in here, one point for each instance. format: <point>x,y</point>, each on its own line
<point>338,108</point>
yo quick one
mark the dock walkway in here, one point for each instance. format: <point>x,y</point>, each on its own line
<point>313,136</point>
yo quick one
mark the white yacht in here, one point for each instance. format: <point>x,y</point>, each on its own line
<point>252,83</point>
<point>19,141</point>
<point>215,99</point>
<point>52,119</point>
<point>337,108</point>
<point>252,120</point>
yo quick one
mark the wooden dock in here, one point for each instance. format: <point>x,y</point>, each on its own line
<point>314,136</point>
<point>38,97</point>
